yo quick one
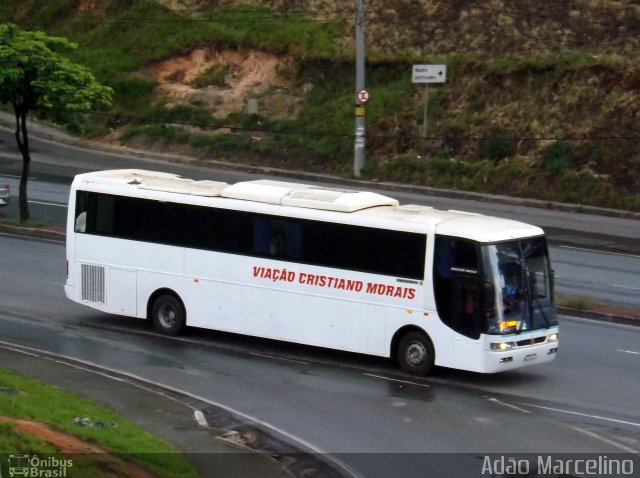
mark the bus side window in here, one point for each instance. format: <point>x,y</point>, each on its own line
<point>81,212</point>
<point>293,239</point>
<point>455,280</point>
<point>442,276</point>
<point>103,222</point>
<point>99,212</point>
<point>277,238</point>
<point>261,236</point>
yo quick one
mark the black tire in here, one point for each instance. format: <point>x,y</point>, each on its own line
<point>168,315</point>
<point>415,353</point>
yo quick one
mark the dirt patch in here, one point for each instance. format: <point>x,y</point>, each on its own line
<point>242,75</point>
<point>619,311</point>
<point>70,446</point>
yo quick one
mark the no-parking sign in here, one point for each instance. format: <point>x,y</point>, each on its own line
<point>362,97</point>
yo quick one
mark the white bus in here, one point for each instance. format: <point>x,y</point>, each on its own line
<point>327,267</point>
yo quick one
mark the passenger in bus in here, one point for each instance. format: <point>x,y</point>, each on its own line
<point>276,245</point>
<point>81,222</point>
<point>512,292</point>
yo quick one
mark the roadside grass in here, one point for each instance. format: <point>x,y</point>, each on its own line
<point>31,224</point>
<point>576,302</point>
<point>28,399</point>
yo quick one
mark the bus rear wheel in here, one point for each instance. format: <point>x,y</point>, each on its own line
<point>416,354</point>
<point>168,315</point>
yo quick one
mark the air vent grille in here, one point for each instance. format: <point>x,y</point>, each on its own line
<point>93,283</point>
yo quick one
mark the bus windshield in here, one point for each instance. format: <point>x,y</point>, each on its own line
<point>518,286</point>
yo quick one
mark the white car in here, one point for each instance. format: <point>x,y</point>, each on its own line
<point>4,195</point>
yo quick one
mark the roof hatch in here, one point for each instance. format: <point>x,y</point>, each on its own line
<point>302,195</point>
<point>172,183</point>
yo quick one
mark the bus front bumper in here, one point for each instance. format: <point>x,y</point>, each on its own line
<point>499,361</point>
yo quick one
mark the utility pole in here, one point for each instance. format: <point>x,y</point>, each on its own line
<point>360,111</point>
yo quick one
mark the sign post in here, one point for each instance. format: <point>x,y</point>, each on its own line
<point>360,137</point>
<point>428,74</point>
<point>362,96</point>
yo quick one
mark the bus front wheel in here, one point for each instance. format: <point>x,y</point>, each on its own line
<point>168,315</point>
<point>416,354</point>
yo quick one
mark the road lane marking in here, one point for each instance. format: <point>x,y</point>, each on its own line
<point>20,236</point>
<point>632,352</point>
<point>278,358</point>
<point>47,203</point>
<point>626,287</point>
<point>604,439</point>
<point>508,405</point>
<point>16,177</point>
<point>597,417</point>
<point>396,380</point>
<point>199,416</point>
<point>599,251</point>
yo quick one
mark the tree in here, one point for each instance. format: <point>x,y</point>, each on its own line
<point>36,78</point>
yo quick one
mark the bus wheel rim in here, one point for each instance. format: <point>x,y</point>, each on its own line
<point>416,353</point>
<point>167,316</point>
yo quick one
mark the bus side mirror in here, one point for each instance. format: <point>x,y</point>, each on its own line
<point>488,296</point>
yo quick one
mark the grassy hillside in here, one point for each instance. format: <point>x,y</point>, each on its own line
<point>541,100</point>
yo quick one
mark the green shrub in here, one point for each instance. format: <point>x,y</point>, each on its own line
<point>133,91</point>
<point>185,114</point>
<point>557,158</point>
<point>497,148</point>
<point>214,76</point>
<point>407,167</point>
<point>226,142</point>
<point>158,132</point>
<point>202,141</point>
<point>246,121</point>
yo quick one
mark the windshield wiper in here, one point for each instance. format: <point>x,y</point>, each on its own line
<point>524,279</point>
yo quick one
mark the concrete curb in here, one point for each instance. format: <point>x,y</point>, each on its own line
<point>40,233</point>
<point>630,318</point>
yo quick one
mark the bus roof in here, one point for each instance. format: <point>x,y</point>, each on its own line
<point>264,190</point>
<point>362,204</point>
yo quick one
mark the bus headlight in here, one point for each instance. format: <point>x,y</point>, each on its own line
<point>502,346</point>
<point>552,337</point>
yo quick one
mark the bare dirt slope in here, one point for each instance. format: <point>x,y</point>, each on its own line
<point>243,75</point>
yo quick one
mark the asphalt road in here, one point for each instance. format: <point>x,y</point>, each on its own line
<point>359,409</point>
<point>611,278</point>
